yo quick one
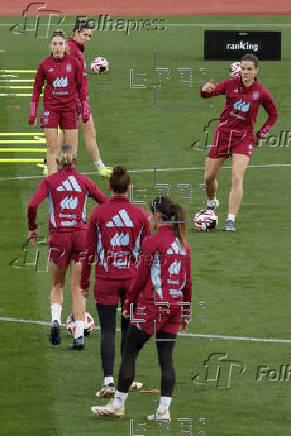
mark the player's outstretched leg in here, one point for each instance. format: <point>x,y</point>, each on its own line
<point>239,166</point>
<point>212,167</point>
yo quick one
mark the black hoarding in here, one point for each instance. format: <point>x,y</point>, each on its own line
<point>229,45</point>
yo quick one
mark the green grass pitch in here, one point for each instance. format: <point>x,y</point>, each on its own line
<point>243,278</point>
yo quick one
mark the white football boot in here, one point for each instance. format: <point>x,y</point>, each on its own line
<point>161,416</point>
<point>107,391</point>
<point>108,410</point>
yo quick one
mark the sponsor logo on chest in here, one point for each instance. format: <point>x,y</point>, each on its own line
<point>61,82</point>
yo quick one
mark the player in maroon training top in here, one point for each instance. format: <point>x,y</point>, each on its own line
<point>64,83</point>
<point>67,191</point>
<point>116,231</point>
<point>82,35</point>
<point>161,292</point>
<point>234,135</point>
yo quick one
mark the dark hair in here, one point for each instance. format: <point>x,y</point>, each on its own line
<point>169,210</point>
<point>60,33</point>
<point>81,25</point>
<point>249,57</point>
<point>119,180</point>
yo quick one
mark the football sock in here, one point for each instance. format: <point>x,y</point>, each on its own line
<point>56,310</point>
<point>79,329</point>
<point>108,380</point>
<point>211,203</point>
<point>99,164</point>
<point>231,217</point>
<point>165,403</point>
<point>119,399</point>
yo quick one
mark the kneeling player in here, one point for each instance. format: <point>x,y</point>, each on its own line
<point>161,287</point>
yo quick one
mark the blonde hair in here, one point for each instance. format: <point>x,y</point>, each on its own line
<point>66,156</point>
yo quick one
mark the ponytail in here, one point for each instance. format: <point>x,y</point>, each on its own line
<point>171,212</point>
<point>180,226</point>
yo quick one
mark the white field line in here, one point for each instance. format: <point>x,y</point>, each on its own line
<point>194,335</point>
<point>149,170</point>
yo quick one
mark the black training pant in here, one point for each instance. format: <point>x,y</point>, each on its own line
<point>134,342</point>
<point>107,319</point>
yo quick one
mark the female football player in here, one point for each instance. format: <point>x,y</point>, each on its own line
<point>63,76</point>
<point>162,286</point>
<point>67,191</point>
<point>82,35</point>
<point>117,230</point>
<point>234,135</point>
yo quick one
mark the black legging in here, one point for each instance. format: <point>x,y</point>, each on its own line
<point>134,342</point>
<point>107,318</point>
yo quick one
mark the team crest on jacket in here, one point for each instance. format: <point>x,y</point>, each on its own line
<point>255,95</point>
<point>68,68</point>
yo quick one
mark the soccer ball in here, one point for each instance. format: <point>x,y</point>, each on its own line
<point>205,220</point>
<point>99,65</point>
<point>234,69</point>
<point>88,327</point>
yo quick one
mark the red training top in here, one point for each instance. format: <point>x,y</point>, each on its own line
<point>77,50</point>
<point>242,104</point>
<point>116,232</point>
<point>164,272</point>
<point>64,83</point>
<point>67,191</point>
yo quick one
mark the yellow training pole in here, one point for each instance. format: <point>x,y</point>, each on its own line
<point>17,95</point>
<point>16,87</point>
<point>20,134</point>
<point>23,150</point>
<point>16,80</point>
<point>17,71</point>
<point>21,160</point>
<point>22,141</point>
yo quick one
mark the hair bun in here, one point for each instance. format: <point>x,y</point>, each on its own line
<point>119,171</point>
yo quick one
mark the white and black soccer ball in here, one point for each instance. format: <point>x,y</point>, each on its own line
<point>88,327</point>
<point>205,220</point>
<point>99,65</point>
<point>234,69</point>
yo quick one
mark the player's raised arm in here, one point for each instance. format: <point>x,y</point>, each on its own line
<point>211,90</point>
